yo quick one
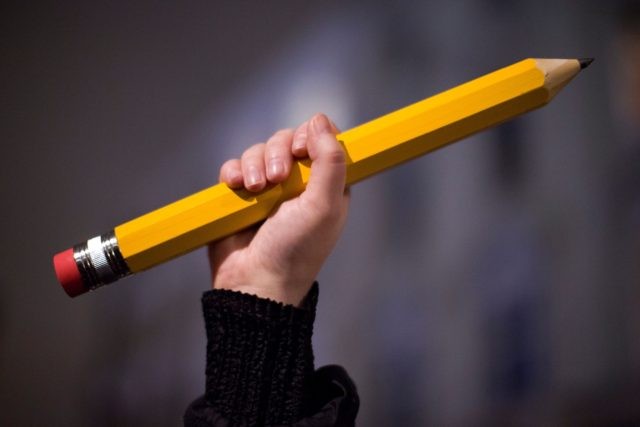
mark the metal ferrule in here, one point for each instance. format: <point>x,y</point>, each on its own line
<point>99,261</point>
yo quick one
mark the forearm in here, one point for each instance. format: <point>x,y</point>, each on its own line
<point>259,357</point>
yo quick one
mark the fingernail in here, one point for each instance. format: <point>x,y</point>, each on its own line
<point>321,124</point>
<point>299,142</point>
<point>253,176</point>
<point>234,178</point>
<point>276,167</point>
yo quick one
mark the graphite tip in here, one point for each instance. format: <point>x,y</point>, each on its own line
<point>585,62</point>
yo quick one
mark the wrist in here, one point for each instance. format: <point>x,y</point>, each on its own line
<point>265,284</point>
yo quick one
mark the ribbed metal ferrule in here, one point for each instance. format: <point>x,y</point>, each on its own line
<point>99,261</point>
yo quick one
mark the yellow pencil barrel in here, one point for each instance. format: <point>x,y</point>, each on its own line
<point>370,148</point>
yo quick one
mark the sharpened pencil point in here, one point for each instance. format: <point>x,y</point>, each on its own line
<point>585,62</point>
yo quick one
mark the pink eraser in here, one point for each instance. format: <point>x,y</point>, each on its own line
<point>68,274</point>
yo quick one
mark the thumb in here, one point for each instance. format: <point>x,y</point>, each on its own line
<point>328,164</point>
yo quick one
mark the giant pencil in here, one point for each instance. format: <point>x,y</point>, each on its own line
<point>373,147</point>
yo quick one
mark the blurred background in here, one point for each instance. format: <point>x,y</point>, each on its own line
<point>494,282</point>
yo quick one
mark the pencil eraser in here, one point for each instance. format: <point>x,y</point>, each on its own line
<point>68,273</point>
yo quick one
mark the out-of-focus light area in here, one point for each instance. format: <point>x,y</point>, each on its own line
<point>494,282</point>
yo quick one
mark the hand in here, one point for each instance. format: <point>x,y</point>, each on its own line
<point>280,258</point>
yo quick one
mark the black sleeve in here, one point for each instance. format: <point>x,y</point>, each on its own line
<point>260,367</point>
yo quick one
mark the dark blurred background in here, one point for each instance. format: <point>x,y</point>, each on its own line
<point>494,282</point>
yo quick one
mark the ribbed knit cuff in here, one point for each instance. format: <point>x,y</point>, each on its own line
<point>259,356</point>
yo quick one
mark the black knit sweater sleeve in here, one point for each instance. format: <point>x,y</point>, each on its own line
<point>259,368</point>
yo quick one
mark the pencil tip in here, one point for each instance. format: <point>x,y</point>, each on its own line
<point>585,62</point>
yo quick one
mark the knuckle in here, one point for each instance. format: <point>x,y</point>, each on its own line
<point>253,151</point>
<point>336,156</point>
<point>280,138</point>
<point>302,129</point>
<point>229,164</point>
<point>275,150</point>
<point>284,132</point>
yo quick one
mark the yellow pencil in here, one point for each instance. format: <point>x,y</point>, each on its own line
<point>375,146</point>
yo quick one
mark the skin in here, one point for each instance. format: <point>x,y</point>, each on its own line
<point>280,258</point>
